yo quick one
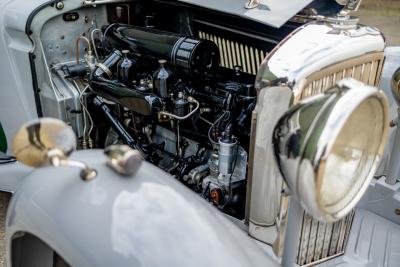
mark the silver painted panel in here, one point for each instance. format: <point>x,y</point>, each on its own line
<point>17,103</point>
<point>382,199</point>
<point>149,219</point>
<point>392,62</point>
<point>12,175</point>
<point>270,12</point>
<point>373,242</point>
<point>267,180</point>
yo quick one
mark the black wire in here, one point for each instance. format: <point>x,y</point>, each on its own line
<point>7,161</point>
<point>205,190</point>
<point>215,124</point>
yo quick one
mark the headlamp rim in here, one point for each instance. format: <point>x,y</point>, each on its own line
<point>356,98</point>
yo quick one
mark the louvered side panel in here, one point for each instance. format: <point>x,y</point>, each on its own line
<point>236,54</point>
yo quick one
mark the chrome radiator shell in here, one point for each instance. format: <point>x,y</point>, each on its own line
<point>308,61</point>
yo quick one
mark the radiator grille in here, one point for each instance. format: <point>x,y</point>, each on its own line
<point>234,53</point>
<point>366,69</point>
<point>321,241</point>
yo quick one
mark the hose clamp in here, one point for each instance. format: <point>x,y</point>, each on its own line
<point>105,69</point>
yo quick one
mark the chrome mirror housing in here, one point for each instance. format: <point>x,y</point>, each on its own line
<point>395,85</point>
<point>123,159</point>
<point>36,138</point>
<point>47,141</point>
<point>328,147</point>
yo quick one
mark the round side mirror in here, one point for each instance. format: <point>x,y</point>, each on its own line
<point>48,141</point>
<point>36,138</point>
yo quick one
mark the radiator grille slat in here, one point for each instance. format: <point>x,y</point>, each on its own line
<point>335,238</point>
<point>319,241</point>
<point>312,240</point>
<point>235,53</point>
<point>327,240</point>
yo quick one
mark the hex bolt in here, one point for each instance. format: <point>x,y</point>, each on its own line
<point>60,5</point>
<point>397,211</point>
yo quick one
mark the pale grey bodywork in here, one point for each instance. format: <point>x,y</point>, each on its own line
<point>17,97</point>
<point>148,219</point>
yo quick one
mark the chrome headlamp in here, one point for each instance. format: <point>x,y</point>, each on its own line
<point>328,147</point>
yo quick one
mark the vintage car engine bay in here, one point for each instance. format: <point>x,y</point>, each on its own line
<point>174,107</point>
<point>228,104</point>
<point>182,97</point>
<point>179,87</point>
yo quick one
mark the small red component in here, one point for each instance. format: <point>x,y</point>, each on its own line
<point>216,196</point>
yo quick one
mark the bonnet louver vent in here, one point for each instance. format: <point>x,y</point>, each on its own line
<point>234,53</point>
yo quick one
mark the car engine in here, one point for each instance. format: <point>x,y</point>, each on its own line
<point>173,81</point>
<point>164,94</point>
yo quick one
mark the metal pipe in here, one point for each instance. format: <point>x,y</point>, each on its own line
<point>191,100</point>
<point>77,46</point>
<point>93,43</point>
<point>394,166</point>
<point>178,142</point>
<point>292,233</point>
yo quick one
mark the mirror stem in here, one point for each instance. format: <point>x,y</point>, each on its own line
<point>57,159</point>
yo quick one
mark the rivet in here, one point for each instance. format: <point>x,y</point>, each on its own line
<point>60,5</point>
